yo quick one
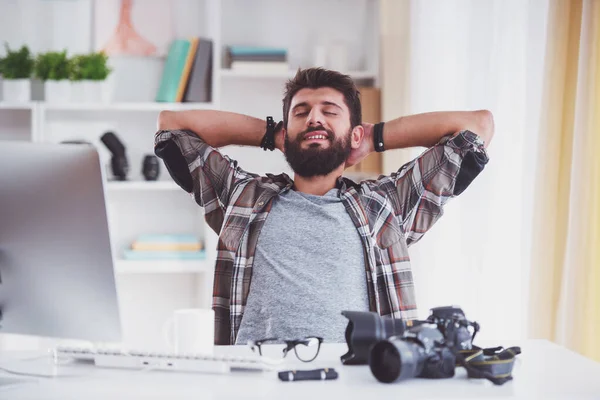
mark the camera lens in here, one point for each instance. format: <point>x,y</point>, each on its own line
<point>395,360</point>
<point>385,362</point>
<point>391,327</point>
<point>365,329</point>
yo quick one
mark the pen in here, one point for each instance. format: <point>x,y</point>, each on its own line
<point>320,374</point>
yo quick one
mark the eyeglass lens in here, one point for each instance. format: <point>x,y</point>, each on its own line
<point>307,349</point>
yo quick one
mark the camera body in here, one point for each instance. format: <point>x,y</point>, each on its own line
<point>454,326</point>
<point>427,349</point>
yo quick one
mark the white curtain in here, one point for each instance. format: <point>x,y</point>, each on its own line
<point>468,55</point>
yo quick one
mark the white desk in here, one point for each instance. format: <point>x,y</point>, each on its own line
<point>544,371</point>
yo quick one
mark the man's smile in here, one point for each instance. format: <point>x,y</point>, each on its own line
<point>316,136</point>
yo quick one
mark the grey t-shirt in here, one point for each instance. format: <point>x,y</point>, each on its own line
<point>308,267</point>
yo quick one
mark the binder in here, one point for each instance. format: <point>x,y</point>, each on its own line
<point>199,86</point>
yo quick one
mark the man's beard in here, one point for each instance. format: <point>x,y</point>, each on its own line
<point>316,161</point>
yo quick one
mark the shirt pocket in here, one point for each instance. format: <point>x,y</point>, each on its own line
<point>388,235</point>
<point>231,236</point>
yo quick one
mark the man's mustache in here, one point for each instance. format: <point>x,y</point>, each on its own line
<point>303,134</point>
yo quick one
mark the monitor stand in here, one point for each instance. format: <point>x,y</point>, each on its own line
<point>7,383</point>
<point>29,369</point>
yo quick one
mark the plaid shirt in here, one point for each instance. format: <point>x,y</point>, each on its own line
<point>390,213</point>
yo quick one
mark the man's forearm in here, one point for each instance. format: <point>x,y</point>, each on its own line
<point>217,128</point>
<point>428,128</point>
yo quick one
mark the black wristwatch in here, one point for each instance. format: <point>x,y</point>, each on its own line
<point>378,137</point>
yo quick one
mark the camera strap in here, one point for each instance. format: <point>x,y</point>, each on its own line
<point>494,364</point>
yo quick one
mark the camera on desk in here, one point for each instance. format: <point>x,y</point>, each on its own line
<point>397,350</point>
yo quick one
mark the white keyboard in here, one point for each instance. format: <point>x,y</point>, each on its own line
<point>140,360</point>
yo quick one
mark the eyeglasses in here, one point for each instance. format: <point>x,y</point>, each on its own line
<point>306,349</point>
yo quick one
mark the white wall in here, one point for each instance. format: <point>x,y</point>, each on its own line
<point>468,55</point>
<point>146,299</point>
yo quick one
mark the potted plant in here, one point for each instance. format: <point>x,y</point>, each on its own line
<point>16,68</point>
<point>77,76</point>
<point>53,68</point>
<point>89,72</point>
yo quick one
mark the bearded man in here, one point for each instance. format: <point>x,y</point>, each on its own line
<point>294,253</point>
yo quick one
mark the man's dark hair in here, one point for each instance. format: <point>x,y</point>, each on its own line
<point>314,78</point>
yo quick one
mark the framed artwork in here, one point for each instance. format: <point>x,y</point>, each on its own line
<point>133,27</point>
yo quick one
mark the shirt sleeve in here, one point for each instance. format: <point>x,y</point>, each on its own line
<point>200,170</point>
<point>420,188</point>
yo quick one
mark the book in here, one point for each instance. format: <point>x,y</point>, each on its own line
<point>199,86</point>
<point>183,81</point>
<point>257,57</point>
<point>163,255</point>
<point>166,246</point>
<point>255,50</point>
<point>173,70</point>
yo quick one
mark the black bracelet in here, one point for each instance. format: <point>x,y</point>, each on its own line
<point>378,137</point>
<point>268,140</point>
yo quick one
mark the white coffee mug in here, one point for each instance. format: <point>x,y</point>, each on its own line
<point>191,331</point>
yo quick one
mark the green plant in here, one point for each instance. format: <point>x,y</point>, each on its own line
<point>52,65</point>
<point>77,68</point>
<point>93,66</point>
<point>16,64</point>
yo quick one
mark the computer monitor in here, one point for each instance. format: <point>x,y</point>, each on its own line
<point>56,261</point>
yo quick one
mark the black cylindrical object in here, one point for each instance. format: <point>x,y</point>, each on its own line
<point>150,168</point>
<point>365,329</point>
<point>118,163</point>
<point>395,360</point>
<point>120,167</point>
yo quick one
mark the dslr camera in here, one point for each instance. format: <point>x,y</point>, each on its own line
<point>397,350</point>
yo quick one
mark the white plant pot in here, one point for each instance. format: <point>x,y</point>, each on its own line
<point>96,91</point>
<point>57,91</point>
<point>16,90</point>
<point>78,91</point>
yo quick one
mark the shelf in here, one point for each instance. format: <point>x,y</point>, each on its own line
<point>225,73</point>
<point>125,106</point>
<point>142,185</point>
<point>162,267</point>
<point>17,106</point>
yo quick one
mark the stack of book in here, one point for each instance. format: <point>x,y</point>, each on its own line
<point>257,59</point>
<point>165,247</point>
<point>187,74</point>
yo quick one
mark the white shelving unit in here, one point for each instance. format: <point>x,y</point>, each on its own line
<point>125,106</point>
<point>150,290</point>
<point>18,106</point>
<point>163,267</point>
<point>142,186</point>
<point>231,73</point>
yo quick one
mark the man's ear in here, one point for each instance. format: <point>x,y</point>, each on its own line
<point>283,136</point>
<point>358,133</point>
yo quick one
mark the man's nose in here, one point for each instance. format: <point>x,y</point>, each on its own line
<point>315,117</point>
